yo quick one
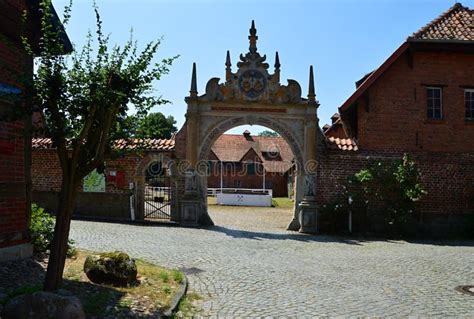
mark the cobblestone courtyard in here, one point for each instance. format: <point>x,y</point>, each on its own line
<point>243,272</point>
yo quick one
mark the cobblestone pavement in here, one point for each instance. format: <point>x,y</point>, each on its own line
<point>247,273</point>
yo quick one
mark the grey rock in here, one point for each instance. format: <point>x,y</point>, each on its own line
<point>42,305</point>
<point>115,268</point>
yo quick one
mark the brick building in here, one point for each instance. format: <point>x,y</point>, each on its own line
<point>419,101</point>
<point>246,158</point>
<point>15,183</point>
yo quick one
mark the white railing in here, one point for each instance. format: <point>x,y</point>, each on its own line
<point>212,192</point>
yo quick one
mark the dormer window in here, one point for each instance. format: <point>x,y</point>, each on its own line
<point>469,103</point>
<point>435,102</point>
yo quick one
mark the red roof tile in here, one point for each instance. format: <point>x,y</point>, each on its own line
<point>345,144</point>
<point>130,144</point>
<point>454,24</point>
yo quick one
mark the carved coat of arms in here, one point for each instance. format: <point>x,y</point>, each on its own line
<point>252,83</point>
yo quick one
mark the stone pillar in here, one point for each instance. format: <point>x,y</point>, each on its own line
<point>190,202</point>
<point>298,197</point>
<point>139,193</point>
<point>308,209</point>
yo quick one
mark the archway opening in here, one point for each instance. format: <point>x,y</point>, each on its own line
<point>251,179</point>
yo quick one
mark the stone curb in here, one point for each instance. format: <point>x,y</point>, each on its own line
<point>177,298</point>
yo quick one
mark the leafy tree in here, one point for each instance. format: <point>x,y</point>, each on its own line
<point>84,97</point>
<point>156,125</point>
<point>268,133</point>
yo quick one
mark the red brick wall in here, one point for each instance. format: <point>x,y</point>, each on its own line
<point>13,214</point>
<point>447,177</point>
<point>396,114</point>
<point>47,175</point>
<point>13,199</point>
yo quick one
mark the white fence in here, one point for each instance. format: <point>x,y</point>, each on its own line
<point>212,192</point>
<point>242,196</point>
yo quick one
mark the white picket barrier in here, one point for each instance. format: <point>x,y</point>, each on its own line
<point>242,196</point>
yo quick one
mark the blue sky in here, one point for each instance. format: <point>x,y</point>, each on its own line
<point>342,39</point>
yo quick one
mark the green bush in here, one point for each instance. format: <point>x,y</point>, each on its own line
<point>393,186</point>
<point>42,231</point>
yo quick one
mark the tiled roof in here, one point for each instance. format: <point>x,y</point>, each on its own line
<point>233,147</point>
<point>345,144</point>
<point>129,144</point>
<point>146,144</point>
<point>41,143</point>
<point>455,24</point>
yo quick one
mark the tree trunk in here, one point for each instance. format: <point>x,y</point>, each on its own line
<point>59,245</point>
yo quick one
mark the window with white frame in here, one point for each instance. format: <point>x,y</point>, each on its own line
<point>435,102</point>
<point>469,103</point>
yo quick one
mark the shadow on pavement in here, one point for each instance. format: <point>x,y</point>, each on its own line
<point>322,238</point>
<point>262,235</point>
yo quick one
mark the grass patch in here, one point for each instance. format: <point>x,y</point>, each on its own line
<point>154,292</point>
<point>187,307</point>
<point>164,276</point>
<point>177,275</point>
<point>283,202</point>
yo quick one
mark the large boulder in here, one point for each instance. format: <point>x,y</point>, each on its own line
<point>44,305</point>
<point>114,268</point>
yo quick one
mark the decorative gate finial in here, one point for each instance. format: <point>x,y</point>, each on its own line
<point>252,58</point>
<point>311,91</point>
<point>228,70</point>
<point>253,38</point>
<point>276,76</point>
<point>193,92</point>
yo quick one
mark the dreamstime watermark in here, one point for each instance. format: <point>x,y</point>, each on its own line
<point>273,162</point>
<point>208,168</point>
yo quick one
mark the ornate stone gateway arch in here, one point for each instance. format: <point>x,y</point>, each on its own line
<point>251,95</point>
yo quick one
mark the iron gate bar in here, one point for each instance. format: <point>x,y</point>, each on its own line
<point>159,209</point>
<point>160,195</point>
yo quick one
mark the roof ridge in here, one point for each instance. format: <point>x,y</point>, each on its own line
<point>457,6</point>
